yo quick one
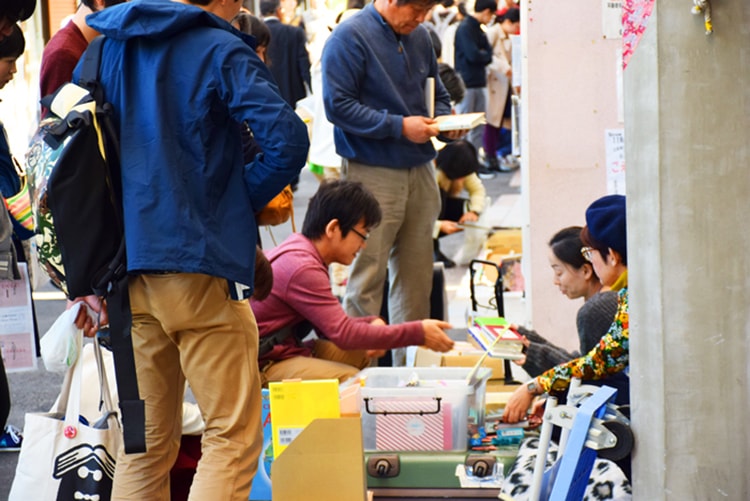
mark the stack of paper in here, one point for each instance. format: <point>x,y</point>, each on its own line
<point>487,330</point>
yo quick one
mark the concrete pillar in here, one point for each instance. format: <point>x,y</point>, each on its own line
<point>687,119</point>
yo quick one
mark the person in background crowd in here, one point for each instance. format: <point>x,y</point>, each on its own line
<point>339,218</point>
<point>497,137</point>
<point>457,167</point>
<point>473,53</point>
<point>12,46</point>
<point>180,128</point>
<point>252,25</point>
<point>288,56</point>
<point>290,61</point>
<point>375,99</point>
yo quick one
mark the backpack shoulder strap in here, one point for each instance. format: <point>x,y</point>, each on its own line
<point>92,57</point>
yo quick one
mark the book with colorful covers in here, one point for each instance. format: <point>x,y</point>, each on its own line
<point>494,335</point>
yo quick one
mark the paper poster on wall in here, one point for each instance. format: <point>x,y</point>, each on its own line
<point>516,58</point>
<point>17,324</point>
<point>614,143</point>
<point>612,19</point>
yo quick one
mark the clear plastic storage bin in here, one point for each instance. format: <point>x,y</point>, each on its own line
<point>421,408</point>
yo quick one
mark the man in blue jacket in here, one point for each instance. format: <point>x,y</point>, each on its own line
<point>375,66</point>
<point>182,81</point>
<point>473,53</point>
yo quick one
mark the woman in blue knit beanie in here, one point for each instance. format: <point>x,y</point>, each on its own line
<point>605,246</point>
<point>604,239</point>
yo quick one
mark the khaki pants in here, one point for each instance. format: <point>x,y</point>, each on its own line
<point>186,326</point>
<point>328,362</point>
<point>400,246</point>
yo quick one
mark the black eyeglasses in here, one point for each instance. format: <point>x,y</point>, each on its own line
<point>360,235</point>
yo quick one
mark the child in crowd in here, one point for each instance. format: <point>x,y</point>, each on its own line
<point>457,167</point>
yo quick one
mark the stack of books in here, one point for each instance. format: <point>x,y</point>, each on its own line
<point>494,335</point>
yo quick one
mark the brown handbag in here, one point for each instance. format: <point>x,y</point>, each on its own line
<point>278,210</point>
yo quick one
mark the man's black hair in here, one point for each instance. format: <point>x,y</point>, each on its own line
<point>269,7</point>
<point>14,44</point>
<point>347,201</point>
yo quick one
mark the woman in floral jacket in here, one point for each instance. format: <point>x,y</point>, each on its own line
<point>605,240</point>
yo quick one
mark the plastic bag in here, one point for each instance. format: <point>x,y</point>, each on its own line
<point>61,344</point>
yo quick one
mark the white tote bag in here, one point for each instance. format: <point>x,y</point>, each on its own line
<point>63,458</point>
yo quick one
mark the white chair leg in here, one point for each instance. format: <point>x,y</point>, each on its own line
<point>540,464</point>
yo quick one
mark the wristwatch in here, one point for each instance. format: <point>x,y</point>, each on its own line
<point>532,386</point>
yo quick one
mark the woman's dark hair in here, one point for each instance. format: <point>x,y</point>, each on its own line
<point>252,25</point>
<point>603,250</point>
<point>566,246</point>
<point>457,159</point>
<point>14,44</point>
<point>462,9</point>
<point>347,201</point>
<point>513,15</point>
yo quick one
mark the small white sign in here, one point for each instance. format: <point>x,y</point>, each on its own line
<point>614,144</point>
<point>17,344</point>
<point>612,19</point>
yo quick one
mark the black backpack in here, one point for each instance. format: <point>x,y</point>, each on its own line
<point>74,176</point>
<point>73,166</point>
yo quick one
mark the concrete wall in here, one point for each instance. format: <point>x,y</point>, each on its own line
<point>569,98</point>
<point>687,119</point>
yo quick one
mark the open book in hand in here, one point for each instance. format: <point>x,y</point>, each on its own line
<point>462,121</point>
<point>494,335</point>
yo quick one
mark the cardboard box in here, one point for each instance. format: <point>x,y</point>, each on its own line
<point>463,355</point>
<point>325,462</point>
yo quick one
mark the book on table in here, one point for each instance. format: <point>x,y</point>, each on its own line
<point>494,335</point>
<point>461,121</point>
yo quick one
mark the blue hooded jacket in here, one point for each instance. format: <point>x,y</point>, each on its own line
<point>181,81</point>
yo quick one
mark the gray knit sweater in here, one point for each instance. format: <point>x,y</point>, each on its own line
<point>593,321</point>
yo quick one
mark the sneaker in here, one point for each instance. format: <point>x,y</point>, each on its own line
<point>10,440</point>
<point>492,164</point>
<point>485,173</point>
<point>509,163</point>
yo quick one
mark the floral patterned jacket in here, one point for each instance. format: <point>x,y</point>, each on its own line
<point>610,356</point>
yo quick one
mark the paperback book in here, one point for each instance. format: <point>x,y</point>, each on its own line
<point>494,335</point>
